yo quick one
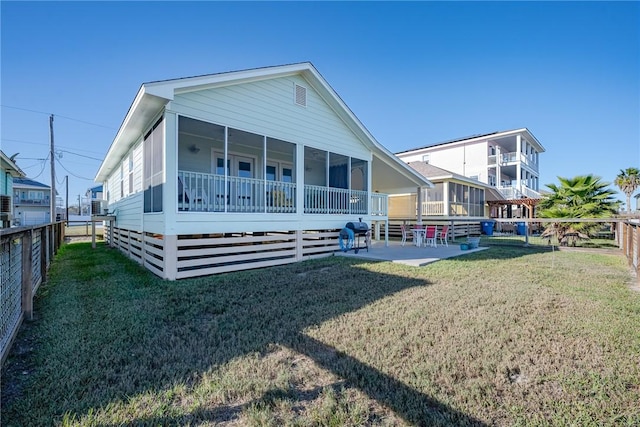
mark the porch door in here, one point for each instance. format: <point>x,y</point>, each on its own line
<point>278,195</point>
<point>239,189</point>
<point>244,168</point>
<point>219,180</point>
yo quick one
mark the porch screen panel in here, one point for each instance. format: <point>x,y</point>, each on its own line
<point>153,151</point>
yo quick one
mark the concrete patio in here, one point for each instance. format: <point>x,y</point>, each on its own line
<point>408,254</point>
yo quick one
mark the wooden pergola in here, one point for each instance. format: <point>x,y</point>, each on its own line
<point>527,202</point>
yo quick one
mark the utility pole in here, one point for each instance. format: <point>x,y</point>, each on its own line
<point>52,211</point>
<point>66,198</point>
<point>79,206</point>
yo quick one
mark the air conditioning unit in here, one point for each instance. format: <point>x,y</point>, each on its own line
<point>98,207</point>
<point>5,204</point>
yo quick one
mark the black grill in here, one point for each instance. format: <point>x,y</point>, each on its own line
<point>360,228</point>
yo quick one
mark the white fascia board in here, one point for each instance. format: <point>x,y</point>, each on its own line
<point>483,138</point>
<point>145,106</point>
<point>167,89</point>
<point>10,166</point>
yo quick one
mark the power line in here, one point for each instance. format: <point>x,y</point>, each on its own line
<point>80,155</point>
<point>71,173</point>
<point>44,164</point>
<point>58,115</point>
<point>47,144</point>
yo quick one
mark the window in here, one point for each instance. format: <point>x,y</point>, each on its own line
<point>130,173</point>
<point>425,158</point>
<point>121,181</point>
<point>153,149</point>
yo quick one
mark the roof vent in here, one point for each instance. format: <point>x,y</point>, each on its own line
<point>301,95</point>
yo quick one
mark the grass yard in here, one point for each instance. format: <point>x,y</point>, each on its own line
<point>506,336</point>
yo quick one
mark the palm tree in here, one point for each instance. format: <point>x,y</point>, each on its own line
<point>584,196</point>
<point>628,180</point>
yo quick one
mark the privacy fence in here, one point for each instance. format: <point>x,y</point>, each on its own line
<point>25,256</point>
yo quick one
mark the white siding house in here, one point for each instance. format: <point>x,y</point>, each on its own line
<point>243,170</point>
<point>507,160</point>
<point>8,172</point>
<point>31,202</point>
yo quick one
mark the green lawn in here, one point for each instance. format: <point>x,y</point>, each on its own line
<point>506,336</point>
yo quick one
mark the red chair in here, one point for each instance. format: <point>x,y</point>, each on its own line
<point>430,236</point>
<point>442,235</point>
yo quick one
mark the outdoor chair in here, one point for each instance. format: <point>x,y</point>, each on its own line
<point>442,235</point>
<point>430,236</point>
<point>405,234</point>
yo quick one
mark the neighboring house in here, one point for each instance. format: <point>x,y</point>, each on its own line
<point>94,196</point>
<point>452,196</point>
<point>508,161</point>
<point>8,172</point>
<point>243,170</point>
<point>31,202</point>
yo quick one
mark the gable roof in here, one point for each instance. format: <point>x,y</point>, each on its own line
<point>435,173</point>
<point>27,182</point>
<point>10,166</point>
<point>473,138</point>
<point>152,96</point>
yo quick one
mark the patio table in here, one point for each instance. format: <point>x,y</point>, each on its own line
<point>418,236</point>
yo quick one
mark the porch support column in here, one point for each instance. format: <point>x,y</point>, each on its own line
<point>498,166</point>
<point>299,179</point>
<point>519,163</point>
<point>170,257</point>
<point>386,232</point>
<point>170,187</point>
<point>446,209</point>
<point>419,204</point>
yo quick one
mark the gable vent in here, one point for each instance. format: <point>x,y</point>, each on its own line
<point>301,95</point>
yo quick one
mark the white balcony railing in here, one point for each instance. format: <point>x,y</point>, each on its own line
<point>510,193</point>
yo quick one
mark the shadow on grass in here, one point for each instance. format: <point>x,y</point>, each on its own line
<point>109,330</point>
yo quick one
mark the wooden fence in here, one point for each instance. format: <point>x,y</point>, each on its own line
<point>629,242</point>
<point>25,256</point>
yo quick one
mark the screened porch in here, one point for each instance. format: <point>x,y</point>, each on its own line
<point>221,169</point>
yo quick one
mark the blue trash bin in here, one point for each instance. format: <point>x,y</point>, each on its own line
<point>487,227</point>
<point>521,228</point>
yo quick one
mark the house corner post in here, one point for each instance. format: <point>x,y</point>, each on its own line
<point>419,205</point>
<point>170,257</point>
<point>27,285</point>
<point>299,253</point>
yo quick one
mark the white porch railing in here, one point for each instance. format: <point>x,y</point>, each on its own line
<point>204,192</point>
<point>432,208</point>
<point>320,199</point>
<point>379,204</point>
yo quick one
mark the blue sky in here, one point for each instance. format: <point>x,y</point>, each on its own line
<point>414,73</point>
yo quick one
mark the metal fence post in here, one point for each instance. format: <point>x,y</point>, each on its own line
<point>27,286</point>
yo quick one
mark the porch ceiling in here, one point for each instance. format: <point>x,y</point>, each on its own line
<point>389,179</point>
